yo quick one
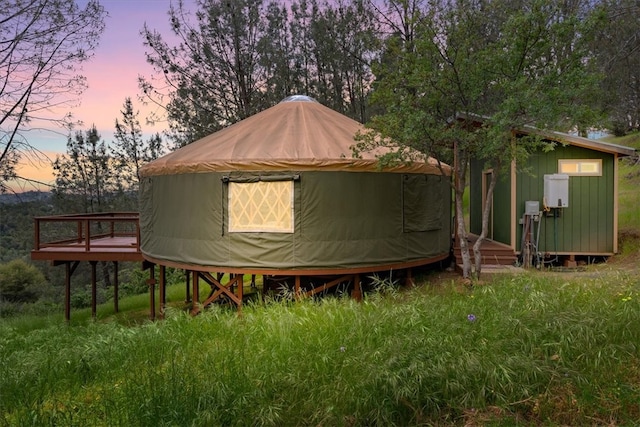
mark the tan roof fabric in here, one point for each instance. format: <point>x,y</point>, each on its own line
<point>297,134</point>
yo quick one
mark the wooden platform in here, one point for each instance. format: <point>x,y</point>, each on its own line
<point>87,237</point>
<point>494,253</point>
<point>103,237</point>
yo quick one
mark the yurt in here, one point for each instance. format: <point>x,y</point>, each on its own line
<point>280,193</point>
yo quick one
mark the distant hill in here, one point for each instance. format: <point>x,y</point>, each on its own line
<point>27,196</point>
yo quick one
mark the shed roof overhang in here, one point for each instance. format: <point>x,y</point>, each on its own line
<point>578,141</point>
<point>560,137</point>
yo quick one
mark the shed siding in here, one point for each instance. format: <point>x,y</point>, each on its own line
<point>586,226</point>
<point>502,209</point>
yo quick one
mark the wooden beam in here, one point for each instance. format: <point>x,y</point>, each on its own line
<point>195,306</point>
<point>93,289</point>
<point>70,268</point>
<point>151,281</point>
<point>187,285</point>
<point>163,290</point>
<point>218,288</point>
<point>116,284</point>
<point>331,284</point>
<point>302,272</point>
<point>357,288</point>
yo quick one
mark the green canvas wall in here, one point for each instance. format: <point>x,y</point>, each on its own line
<point>342,220</point>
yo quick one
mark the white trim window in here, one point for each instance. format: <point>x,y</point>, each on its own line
<point>261,207</point>
<point>580,167</point>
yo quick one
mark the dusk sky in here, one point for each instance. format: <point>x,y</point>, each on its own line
<point>112,75</point>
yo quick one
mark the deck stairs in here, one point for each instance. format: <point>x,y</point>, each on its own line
<point>493,253</point>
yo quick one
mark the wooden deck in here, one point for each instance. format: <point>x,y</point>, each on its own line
<point>87,237</point>
<point>103,237</point>
<point>493,253</point>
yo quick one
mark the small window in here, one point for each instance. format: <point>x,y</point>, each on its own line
<point>588,167</point>
<point>264,206</point>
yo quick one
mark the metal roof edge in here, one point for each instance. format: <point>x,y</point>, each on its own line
<point>561,137</point>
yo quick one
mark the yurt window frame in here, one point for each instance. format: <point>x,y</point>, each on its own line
<point>276,200</point>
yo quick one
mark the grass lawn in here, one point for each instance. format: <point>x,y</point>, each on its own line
<point>527,349</point>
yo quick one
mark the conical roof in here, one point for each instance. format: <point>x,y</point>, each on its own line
<point>296,134</point>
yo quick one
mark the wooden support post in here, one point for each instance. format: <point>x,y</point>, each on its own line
<point>240,290</point>
<point>87,239</point>
<point>80,233</point>
<point>116,284</point>
<point>163,290</point>
<point>70,268</point>
<point>36,235</point>
<point>409,280</point>
<point>187,277</point>
<point>152,292</point>
<point>195,294</point>
<point>67,291</point>
<point>297,287</point>
<point>357,288</point>
<point>93,288</point>
<point>570,262</point>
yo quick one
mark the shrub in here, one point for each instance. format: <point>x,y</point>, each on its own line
<point>19,282</point>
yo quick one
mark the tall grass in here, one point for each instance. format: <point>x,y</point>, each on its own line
<point>525,349</point>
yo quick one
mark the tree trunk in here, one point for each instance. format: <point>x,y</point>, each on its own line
<point>459,183</point>
<point>486,212</point>
<point>462,236</point>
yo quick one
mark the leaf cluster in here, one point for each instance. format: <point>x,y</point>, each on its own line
<point>478,70</point>
<point>234,59</point>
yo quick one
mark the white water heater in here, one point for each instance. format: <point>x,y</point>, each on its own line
<point>556,190</point>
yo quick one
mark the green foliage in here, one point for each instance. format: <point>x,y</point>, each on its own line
<point>130,151</point>
<point>457,79</point>
<point>84,176</point>
<point>16,227</point>
<point>238,58</point>
<point>628,194</point>
<point>512,64</point>
<point>19,282</point>
<point>523,350</point>
<point>619,58</point>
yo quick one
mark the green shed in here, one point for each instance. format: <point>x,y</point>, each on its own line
<point>279,193</point>
<point>564,206</point>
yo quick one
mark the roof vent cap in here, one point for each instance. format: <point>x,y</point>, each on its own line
<point>299,98</point>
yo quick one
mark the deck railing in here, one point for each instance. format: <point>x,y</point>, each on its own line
<point>86,229</point>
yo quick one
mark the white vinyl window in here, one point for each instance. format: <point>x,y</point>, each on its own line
<point>263,206</point>
<point>579,167</point>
